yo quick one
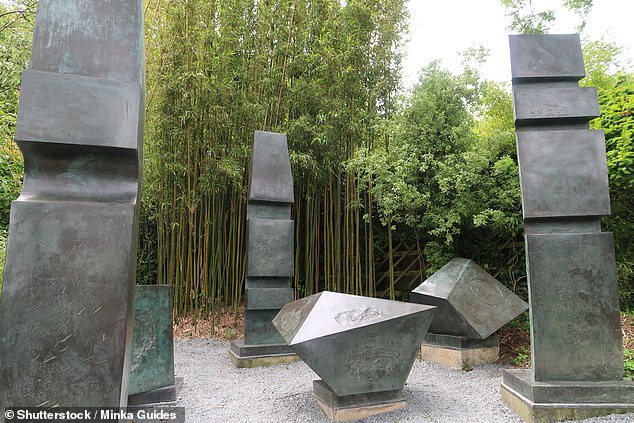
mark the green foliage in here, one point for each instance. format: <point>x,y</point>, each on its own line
<point>617,122</point>
<point>525,19</point>
<point>601,59</point>
<point>324,73</point>
<point>581,8</point>
<point>11,171</point>
<point>3,251</point>
<point>16,27</point>
<point>521,322</point>
<point>449,179</point>
<point>523,357</point>
<point>628,364</point>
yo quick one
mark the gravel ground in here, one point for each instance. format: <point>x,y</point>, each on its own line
<point>216,391</point>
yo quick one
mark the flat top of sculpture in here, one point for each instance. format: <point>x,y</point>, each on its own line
<point>547,57</point>
<point>90,38</point>
<point>271,178</point>
<point>328,313</point>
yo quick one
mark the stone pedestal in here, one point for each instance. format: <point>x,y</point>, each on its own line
<point>164,395</point>
<point>354,407</point>
<point>576,339</point>
<point>243,355</point>
<point>544,402</point>
<point>459,352</point>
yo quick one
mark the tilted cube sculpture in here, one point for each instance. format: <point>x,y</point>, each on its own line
<point>362,348</point>
<point>472,306</point>
<point>577,355</point>
<point>270,255</point>
<point>68,292</point>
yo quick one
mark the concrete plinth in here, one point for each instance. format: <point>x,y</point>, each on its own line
<point>247,356</point>
<point>545,402</point>
<point>458,352</point>
<point>163,395</point>
<point>358,406</point>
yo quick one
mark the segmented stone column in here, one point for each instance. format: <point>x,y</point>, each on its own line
<point>68,293</point>
<point>270,255</point>
<point>577,355</point>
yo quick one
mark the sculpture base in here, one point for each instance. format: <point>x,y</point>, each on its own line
<point>458,352</point>
<point>247,356</point>
<point>545,402</point>
<point>163,395</point>
<point>354,407</point>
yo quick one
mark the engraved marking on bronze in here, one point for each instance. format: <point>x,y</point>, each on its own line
<point>352,317</point>
<point>291,320</point>
<point>374,360</point>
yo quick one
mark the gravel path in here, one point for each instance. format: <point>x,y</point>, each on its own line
<point>216,391</point>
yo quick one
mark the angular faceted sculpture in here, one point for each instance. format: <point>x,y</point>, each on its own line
<point>357,345</point>
<point>471,303</point>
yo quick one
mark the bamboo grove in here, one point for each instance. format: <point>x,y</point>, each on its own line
<point>322,72</point>
<point>389,185</point>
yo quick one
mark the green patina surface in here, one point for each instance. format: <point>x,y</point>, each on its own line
<point>152,364</point>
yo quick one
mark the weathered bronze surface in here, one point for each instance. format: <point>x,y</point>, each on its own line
<point>573,308</point>
<point>356,345</point>
<point>563,173</point>
<point>68,292</point>
<point>546,103</point>
<point>577,356</point>
<point>471,303</point>
<point>270,248</point>
<point>546,58</point>
<point>271,178</point>
<point>152,365</point>
<point>570,262</point>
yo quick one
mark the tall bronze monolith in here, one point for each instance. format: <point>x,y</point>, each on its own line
<point>270,253</point>
<point>577,353</point>
<point>68,293</point>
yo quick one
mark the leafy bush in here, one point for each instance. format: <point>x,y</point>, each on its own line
<point>3,250</point>
<point>617,121</point>
<point>629,364</point>
<point>11,170</point>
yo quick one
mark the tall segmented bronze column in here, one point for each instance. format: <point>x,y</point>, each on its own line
<point>68,294</point>
<point>577,353</point>
<point>270,256</point>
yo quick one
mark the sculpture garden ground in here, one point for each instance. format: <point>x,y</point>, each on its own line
<point>514,337</point>
<point>215,389</point>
